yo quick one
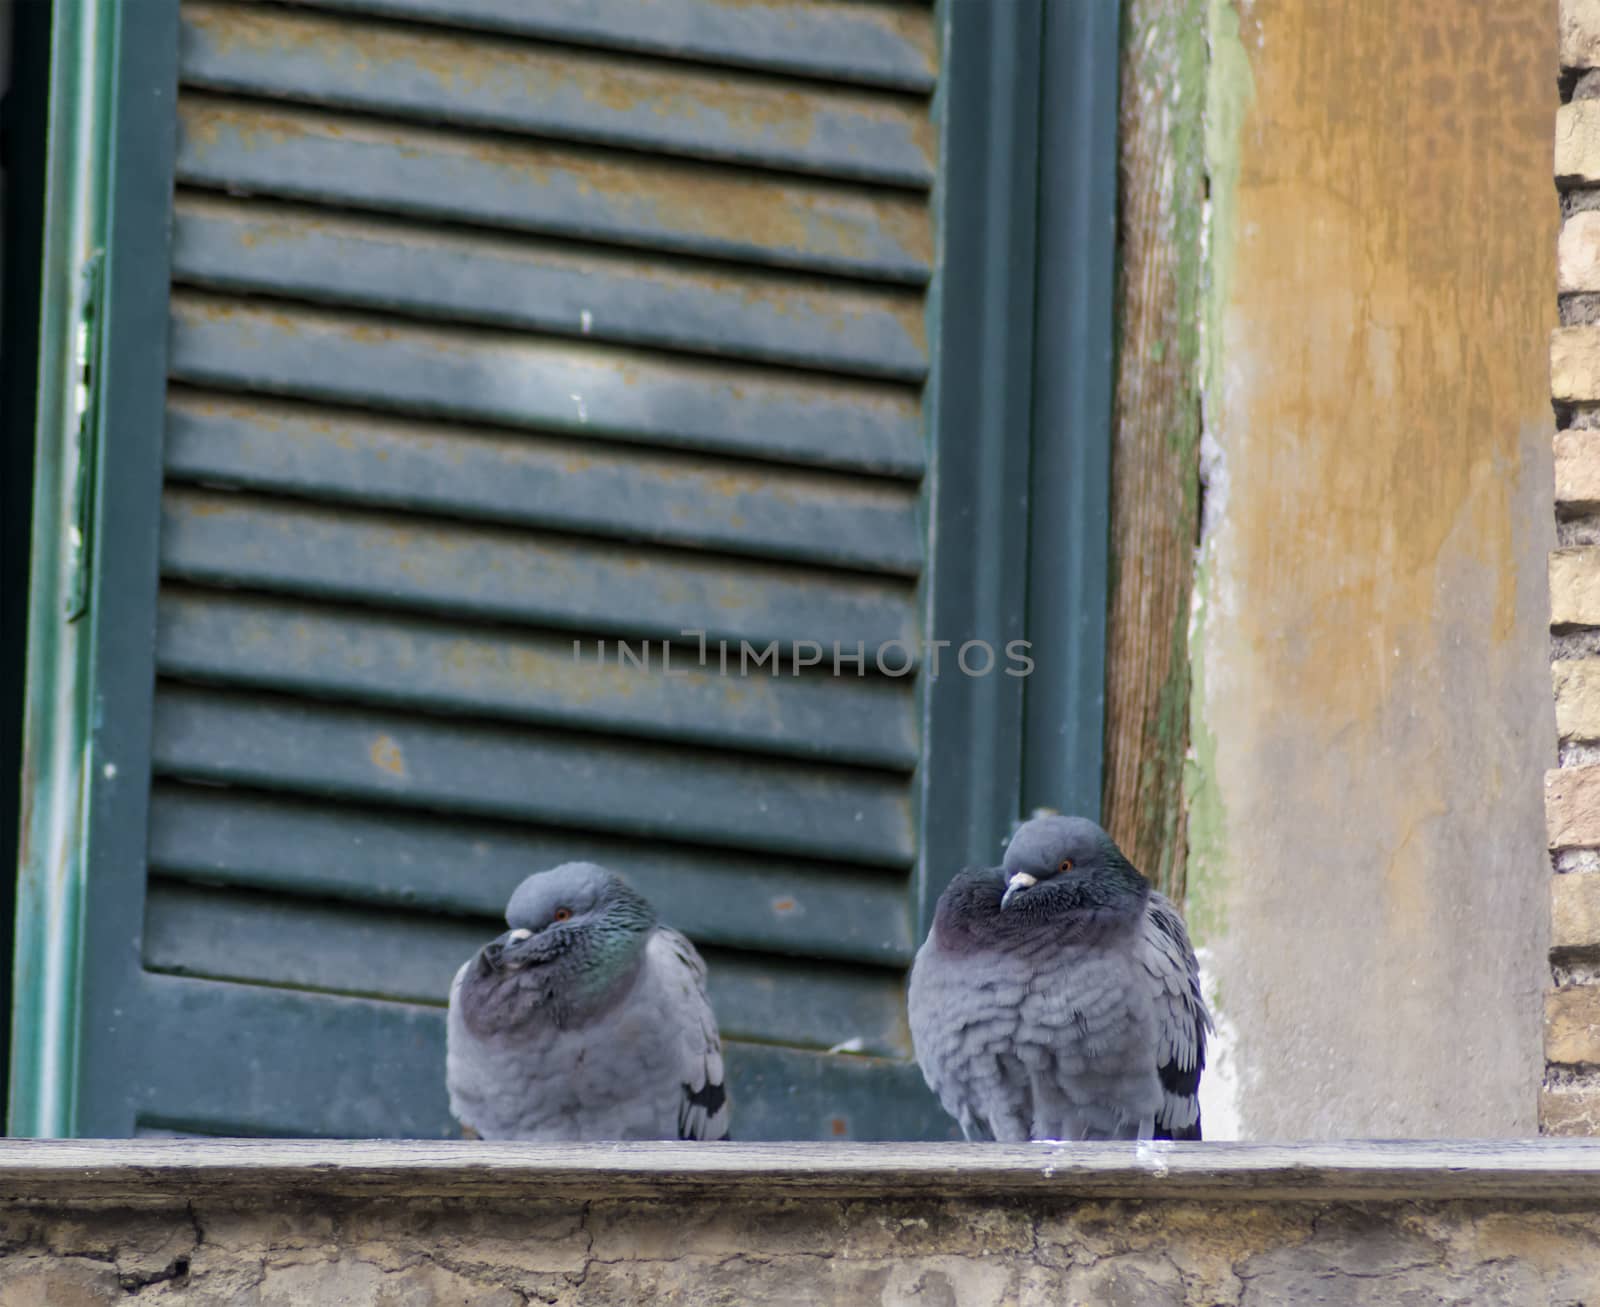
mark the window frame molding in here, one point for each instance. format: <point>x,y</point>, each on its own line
<point>1021,344</point>
<point>1022,318</point>
<point>91,637</point>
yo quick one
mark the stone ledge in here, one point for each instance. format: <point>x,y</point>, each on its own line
<point>105,1224</point>
<point>151,1171</point>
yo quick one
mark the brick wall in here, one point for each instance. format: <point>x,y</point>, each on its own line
<point>1570,1104</point>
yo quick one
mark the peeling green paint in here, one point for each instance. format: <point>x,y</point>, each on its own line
<point>1163,790</point>
<point>1188,149</point>
<point>1229,90</point>
<point>1163,774</point>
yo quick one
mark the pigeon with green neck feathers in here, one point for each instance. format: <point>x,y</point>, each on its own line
<point>1057,996</point>
<point>587,1020</point>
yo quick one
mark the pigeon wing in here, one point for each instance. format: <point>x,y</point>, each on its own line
<point>1181,1019</point>
<point>703,1110</point>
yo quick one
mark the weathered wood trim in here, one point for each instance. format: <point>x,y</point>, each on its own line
<point>154,1172</point>
<point>1155,499</point>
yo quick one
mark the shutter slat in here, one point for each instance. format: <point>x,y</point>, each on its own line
<point>248,1060</point>
<point>743,508</point>
<point>556,385</point>
<point>683,794</point>
<point>554,92</point>
<point>847,40</point>
<point>585,586</point>
<point>541,286</point>
<point>419,860</point>
<point>245,1069</point>
<point>411,957</point>
<point>688,208</point>
<point>328,653</point>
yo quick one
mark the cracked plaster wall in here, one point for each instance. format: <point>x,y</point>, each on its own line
<point>704,1253</point>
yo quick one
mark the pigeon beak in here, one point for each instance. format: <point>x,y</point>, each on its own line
<point>513,952</point>
<point>501,952</point>
<point>1015,886</point>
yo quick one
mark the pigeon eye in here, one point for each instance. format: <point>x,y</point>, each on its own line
<point>1066,865</point>
<point>561,914</point>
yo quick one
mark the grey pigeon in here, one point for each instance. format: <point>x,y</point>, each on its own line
<point>1057,997</point>
<point>586,1020</point>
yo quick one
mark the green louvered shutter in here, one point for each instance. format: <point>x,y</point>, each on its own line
<point>500,329</point>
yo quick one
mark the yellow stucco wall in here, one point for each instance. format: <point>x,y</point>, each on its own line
<point>1371,717</point>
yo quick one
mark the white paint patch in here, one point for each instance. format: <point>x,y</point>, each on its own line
<point>586,321</point>
<point>855,1045</point>
<point>583,409</point>
<point>1219,1084</point>
<point>1214,477</point>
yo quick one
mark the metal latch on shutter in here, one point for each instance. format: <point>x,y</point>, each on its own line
<point>86,405</point>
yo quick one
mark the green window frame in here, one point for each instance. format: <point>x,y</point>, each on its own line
<point>1018,415</point>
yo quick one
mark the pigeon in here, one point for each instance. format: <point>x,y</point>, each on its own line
<point>587,1020</point>
<point>1057,996</point>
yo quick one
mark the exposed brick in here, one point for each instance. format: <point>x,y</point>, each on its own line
<point>1572,794</point>
<point>1570,1112</point>
<point>1575,586</point>
<point>1578,253</point>
<point>1578,143</point>
<point>1574,912</point>
<point>1572,807</point>
<point>1577,690</point>
<point>1578,469</point>
<point>1575,364</point>
<point>1580,33</point>
<point>1572,1025</point>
